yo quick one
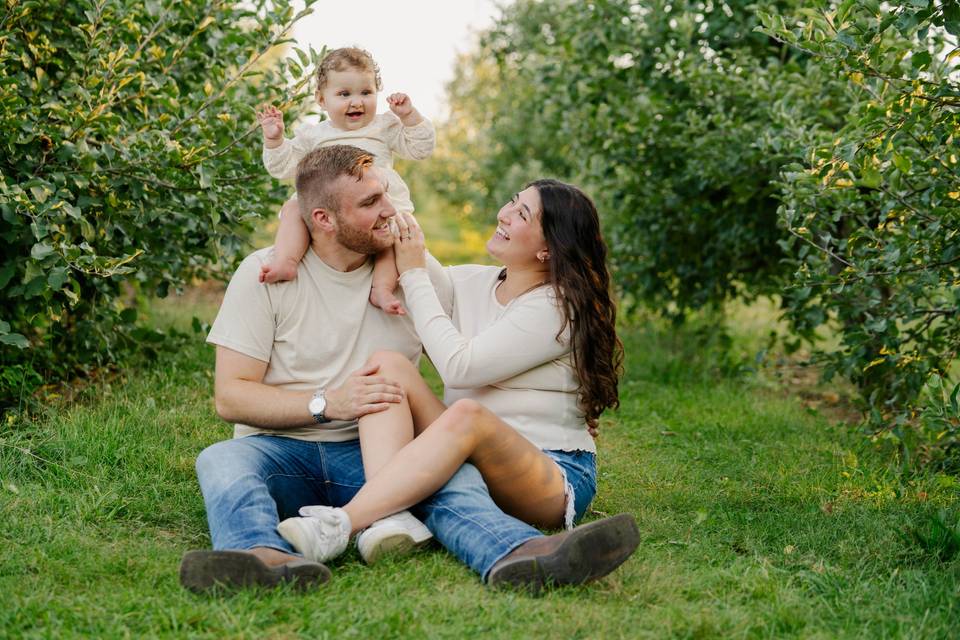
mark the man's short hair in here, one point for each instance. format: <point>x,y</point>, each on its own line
<point>319,169</point>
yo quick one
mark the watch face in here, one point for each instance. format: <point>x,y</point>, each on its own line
<point>317,405</point>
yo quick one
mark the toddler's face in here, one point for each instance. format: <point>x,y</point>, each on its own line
<point>349,98</point>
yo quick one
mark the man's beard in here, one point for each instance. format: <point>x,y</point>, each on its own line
<point>363,242</point>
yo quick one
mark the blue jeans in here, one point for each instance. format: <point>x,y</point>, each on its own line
<point>250,484</point>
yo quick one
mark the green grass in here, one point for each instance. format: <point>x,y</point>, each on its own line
<point>758,518</point>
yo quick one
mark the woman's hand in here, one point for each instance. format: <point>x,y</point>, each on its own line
<point>409,249</point>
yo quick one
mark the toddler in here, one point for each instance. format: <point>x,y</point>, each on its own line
<point>348,81</point>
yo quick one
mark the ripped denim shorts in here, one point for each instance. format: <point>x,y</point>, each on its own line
<point>579,469</point>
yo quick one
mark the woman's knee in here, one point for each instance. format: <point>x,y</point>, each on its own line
<point>392,361</point>
<point>468,409</point>
<point>465,418</point>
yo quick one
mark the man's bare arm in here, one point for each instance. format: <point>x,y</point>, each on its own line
<point>241,395</point>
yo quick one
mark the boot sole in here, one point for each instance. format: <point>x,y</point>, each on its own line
<point>591,551</point>
<point>202,571</point>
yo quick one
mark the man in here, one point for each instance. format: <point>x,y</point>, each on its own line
<point>290,372</point>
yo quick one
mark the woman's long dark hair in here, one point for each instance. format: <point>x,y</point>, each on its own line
<point>578,272</point>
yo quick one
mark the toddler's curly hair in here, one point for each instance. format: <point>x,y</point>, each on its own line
<point>344,59</point>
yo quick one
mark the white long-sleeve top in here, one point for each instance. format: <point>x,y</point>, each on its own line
<point>383,137</point>
<point>507,357</point>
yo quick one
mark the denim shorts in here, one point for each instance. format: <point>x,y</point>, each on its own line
<point>579,469</point>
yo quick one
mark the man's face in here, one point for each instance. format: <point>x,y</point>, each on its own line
<point>362,222</point>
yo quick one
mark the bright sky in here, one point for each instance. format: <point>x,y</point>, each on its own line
<point>415,42</point>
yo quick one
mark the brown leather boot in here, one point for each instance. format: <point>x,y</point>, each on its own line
<point>586,553</point>
<point>206,570</point>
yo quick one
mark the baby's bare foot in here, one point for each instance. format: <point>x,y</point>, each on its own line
<point>279,270</point>
<point>385,300</point>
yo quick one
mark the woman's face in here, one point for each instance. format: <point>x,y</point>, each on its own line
<point>519,236</point>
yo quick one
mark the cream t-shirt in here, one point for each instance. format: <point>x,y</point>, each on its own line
<point>506,357</point>
<point>312,332</point>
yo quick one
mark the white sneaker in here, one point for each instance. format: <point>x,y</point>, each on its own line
<point>321,535</point>
<point>398,534</point>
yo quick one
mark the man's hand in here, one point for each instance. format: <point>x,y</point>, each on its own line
<point>402,107</point>
<point>271,125</point>
<point>362,393</point>
<point>409,248</point>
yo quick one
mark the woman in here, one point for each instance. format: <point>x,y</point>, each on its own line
<point>529,360</point>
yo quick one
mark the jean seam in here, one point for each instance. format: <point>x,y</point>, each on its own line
<point>301,476</point>
<point>322,460</point>
<point>470,519</point>
<point>351,485</point>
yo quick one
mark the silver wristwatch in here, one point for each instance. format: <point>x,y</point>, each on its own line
<point>318,404</point>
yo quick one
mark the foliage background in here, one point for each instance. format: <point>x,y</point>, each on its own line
<point>744,149</point>
<point>737,149</point>
<point>128,168</point>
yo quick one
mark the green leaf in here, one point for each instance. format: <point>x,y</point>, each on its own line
<point>57,278</point>
<point>906,22</point>
<point>921,59</point>
<point>72,211</point>
<point>14,339</point>
<point>902,163</point>
<point>40,193</point>
<point>40,251</point>
<point>844,38</point>
<point>6,273</point>
<point>87,230</point>
<point>870,178</point>
<point>205,178</point>
<point>843,10</point>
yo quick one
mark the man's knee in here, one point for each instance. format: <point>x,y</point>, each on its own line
<point>225,461</point>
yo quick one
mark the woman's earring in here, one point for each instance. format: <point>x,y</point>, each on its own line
<point>543,256</point>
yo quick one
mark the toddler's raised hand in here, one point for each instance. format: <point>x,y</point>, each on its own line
<point>400,104</point>
<point>271,123</point>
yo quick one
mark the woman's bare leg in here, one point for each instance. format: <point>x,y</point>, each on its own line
<point>383,434</point>
<point>523,480</point>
